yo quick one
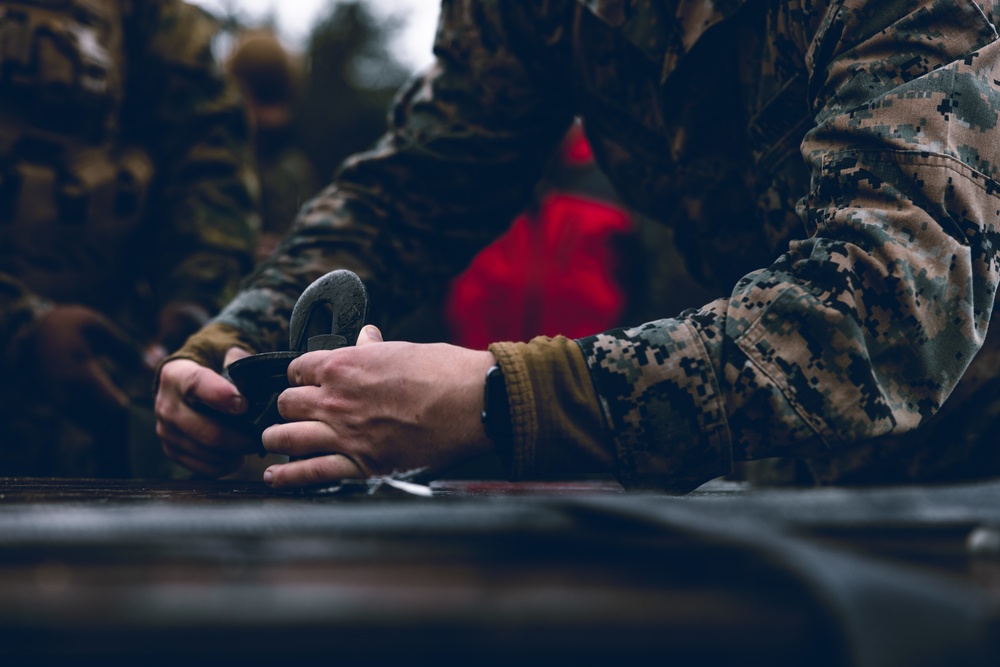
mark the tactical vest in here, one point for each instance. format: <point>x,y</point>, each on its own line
<point>71,196</point>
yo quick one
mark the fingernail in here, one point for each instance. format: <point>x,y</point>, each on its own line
<point>237,404</point>
<point>268,476</point>
<point>374,333</point>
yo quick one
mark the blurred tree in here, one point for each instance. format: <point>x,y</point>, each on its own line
<point>352,77</point>
<point>232,18</point>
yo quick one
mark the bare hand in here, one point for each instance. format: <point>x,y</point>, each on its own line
<point>377,408</point>
<point>192,406</point>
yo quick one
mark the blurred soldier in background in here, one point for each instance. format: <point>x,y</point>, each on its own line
<point>270,79</point>
<point>127,217</point>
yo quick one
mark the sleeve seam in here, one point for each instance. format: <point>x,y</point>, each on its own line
<point>986,183</point>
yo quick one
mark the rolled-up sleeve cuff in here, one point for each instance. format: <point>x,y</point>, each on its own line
<point>208,347</point>
<point>557,422</point>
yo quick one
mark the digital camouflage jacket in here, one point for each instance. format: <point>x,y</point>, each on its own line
<point>829,166</point>
<point>124,159</point>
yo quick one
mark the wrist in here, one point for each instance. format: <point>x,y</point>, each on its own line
<point>495,415</point>
<point>210,346</point>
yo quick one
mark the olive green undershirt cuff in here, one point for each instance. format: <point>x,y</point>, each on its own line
<point>557,423</point>
<point>208,347</point>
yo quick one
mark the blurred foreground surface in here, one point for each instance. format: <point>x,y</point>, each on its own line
<point>487,573</point>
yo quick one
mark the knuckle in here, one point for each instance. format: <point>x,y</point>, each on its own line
<point>354,423</point>
<point>331,403</point>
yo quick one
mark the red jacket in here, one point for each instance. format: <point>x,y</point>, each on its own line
<point>555,271</point>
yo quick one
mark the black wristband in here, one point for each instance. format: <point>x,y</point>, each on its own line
<point>496,408</point>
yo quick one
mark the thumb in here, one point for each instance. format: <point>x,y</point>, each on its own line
<point>369,334</point>
<point>234,354</point>
<point>202,385</point>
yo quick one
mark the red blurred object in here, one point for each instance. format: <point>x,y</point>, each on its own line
<point>553,272</point>
<point>577,148</point>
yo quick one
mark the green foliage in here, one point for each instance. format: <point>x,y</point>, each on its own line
<point>349,85</point>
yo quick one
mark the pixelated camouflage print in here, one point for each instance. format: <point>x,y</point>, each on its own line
<point>957,444</point>
<point>864,328</point>
<point>662,31</point>
<point>656,387</point>
<point>852,318</point>
<point>467,141</point>
<point>207,213</point>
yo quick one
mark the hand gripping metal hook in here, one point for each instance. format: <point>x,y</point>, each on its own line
<point>262,377</point>
<point>347,298</point>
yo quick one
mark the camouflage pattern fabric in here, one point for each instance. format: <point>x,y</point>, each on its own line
<point>207,207</point>
<point>835,161</point>
<point>126,183</point>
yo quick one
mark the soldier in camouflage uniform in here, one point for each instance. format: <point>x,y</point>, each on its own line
<point>127,216</point>
<point>828,167</point>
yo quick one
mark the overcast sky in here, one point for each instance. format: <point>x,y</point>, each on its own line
<point>295,17</point>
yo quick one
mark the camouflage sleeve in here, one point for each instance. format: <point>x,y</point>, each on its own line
<point>180,105</point>
<point>467,140</point>
<point>865,327</point>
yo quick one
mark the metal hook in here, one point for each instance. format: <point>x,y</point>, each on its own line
<point>344,292</point>
<point>262,377</point>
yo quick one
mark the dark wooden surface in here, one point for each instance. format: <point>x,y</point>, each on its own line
<point>152,572</point>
